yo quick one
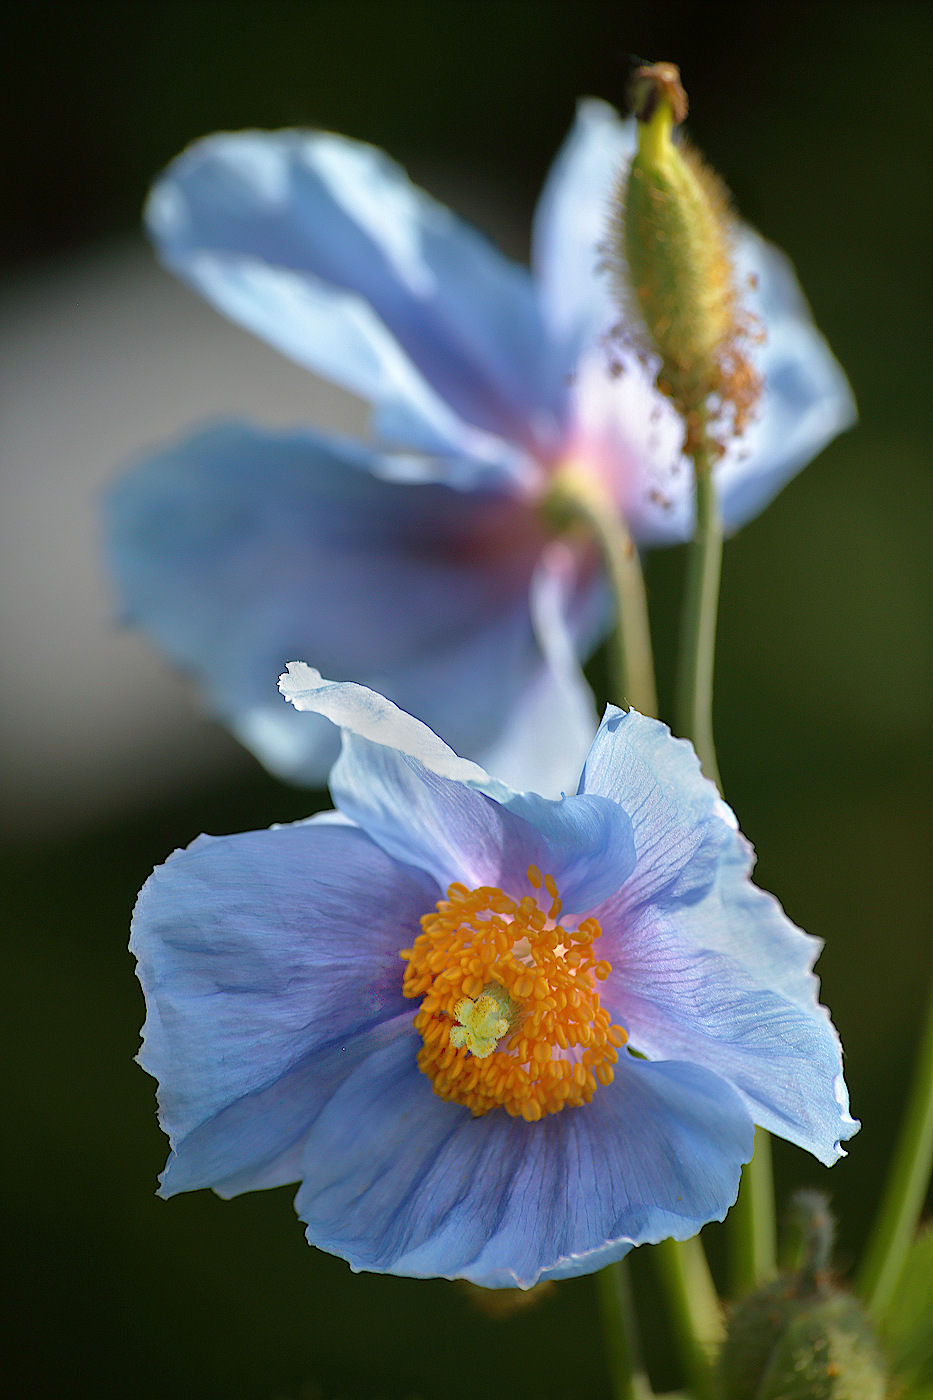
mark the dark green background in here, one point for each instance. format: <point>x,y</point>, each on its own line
<point>817,116</point>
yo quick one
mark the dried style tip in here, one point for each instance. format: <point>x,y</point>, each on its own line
<point>652,82</point>
<point>671,241</point>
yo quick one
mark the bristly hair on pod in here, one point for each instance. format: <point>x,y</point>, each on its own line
<point>670,258</point>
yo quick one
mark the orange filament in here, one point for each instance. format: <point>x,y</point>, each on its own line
<point>510,1016</point>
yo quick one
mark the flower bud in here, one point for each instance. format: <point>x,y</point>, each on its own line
<point>756,1326</point>
<point>673,256</point>
<point>828,1352</point>
<point>799,1337</point>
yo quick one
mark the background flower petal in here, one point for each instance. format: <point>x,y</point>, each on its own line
<point>395,1180</point>
<point>270,966</point>
<point>807,400</point>
<point>238,549</point>
<point>295,233</point>
<point>546,739</point>
<point>572,222</point>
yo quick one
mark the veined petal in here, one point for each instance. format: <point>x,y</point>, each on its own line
<point>679,999</point>
<point>239,548</point>
<point>270,966</point>
<point>363,713</point>
<point>395,1180</point>
<point>688,849</point>
<point>293,232</point>
<point>425,806</point>
<point>705,966</point>
<point>679,821</point>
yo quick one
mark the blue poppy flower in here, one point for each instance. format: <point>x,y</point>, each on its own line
<point>422,564</point>
<point>507,1134</point>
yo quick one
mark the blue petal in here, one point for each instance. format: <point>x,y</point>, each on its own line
<point>238,549</point>
<point>270,964</point>
<point>321,245</point>
<point>572,220</point>
<point>423,805</point>
<point>807,400</point>
<point>706,967</point>
<point>396,1181</point>
<point>680,999</point>
<point>679,821</point>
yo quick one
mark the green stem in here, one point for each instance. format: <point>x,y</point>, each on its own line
<point>905,1188</point>
<point>752,1241</point>
<point>751,1222</point>
<point>694,699</point>
<point>695,1311</point>
<point>577,495</point>
<point>683,1266</point>
<point>627,1374</point>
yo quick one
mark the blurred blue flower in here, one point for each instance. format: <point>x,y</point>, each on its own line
<point>280,1027</point>
<point>421,565</point>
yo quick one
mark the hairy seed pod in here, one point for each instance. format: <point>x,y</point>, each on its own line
<point>828,1352</point>
<point>672,252</point>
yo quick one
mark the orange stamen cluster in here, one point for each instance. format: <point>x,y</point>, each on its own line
<point>486,960</point>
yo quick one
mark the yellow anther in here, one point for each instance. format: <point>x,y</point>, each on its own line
<point>509,1014</point>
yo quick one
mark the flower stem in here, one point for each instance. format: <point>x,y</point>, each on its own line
<point>578,495</point>
<point>752,1242</point>
<point>627,1374</point>
<point>694,699</point>
<point>695,1311</point>
<point>905,1188</point>
<point>752,1218</point>
<point>684,1270</point>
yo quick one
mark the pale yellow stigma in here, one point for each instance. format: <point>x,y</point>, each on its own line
<point>483,1022</point>
<point>492,972</point>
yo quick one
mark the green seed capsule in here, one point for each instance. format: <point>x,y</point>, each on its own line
<point>828,1352</point>
<point>673,256</point>
<point>756,1326</point>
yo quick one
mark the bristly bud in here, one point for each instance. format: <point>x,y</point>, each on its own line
<point>799,1337</point>
<point>828,1352</point>
<point>672,254</point>
<point>810,1233</point>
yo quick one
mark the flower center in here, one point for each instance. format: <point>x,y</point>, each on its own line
<point>510,1017</point>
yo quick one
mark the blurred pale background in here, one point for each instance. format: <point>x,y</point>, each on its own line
<point>817,117</point>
